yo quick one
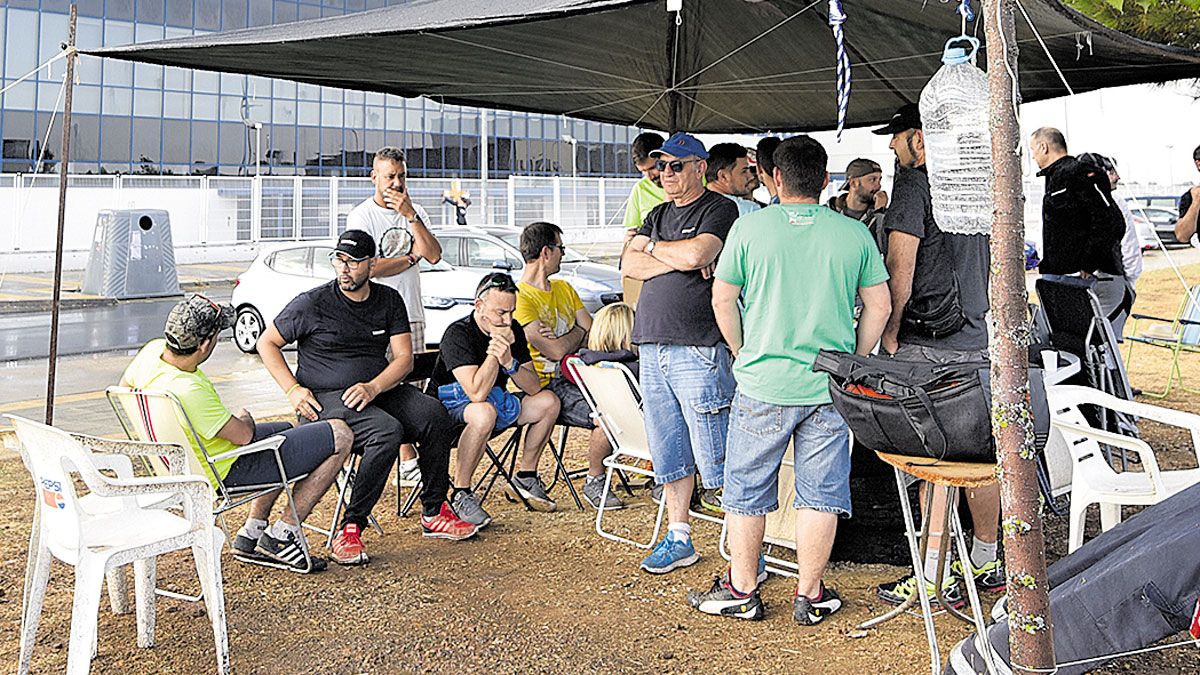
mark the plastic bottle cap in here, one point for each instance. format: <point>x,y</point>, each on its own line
<point>954,56</point>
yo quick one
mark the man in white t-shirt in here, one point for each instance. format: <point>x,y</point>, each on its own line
<point>391,206</point>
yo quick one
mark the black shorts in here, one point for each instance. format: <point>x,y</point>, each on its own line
<point>303,450</point>
<point>575,412</point>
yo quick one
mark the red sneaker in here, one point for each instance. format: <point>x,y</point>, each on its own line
<point>347,547</point>
<point>446,525</point>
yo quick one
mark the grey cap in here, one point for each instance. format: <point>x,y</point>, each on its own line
<point>195,319</point>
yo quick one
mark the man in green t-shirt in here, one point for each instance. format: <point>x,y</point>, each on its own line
<point>646,194</point>
<point>317,450</point>
<point>798,267</point>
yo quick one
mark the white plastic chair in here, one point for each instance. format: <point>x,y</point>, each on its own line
<point>1094,481</point>
<point>105,530</point>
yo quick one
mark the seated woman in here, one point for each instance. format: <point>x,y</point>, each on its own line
<point>611,337</point>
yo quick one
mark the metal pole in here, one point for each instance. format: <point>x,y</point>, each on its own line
<point>1031,641</point>
<point>56,298</point>
<point>484,160</point>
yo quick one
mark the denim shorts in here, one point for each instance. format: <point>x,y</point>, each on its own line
<point>687,391</point>
<point>758,439</point>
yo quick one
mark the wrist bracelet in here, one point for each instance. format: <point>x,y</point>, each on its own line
<point>292,388</point>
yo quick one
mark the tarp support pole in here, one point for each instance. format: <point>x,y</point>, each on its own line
<point>1031,640</point>
<point>56,298</point>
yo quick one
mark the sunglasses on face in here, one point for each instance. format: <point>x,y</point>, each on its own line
<point>676,165</point>
<point>338,261</point>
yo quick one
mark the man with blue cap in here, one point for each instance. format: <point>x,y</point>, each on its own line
<point>686,374</point>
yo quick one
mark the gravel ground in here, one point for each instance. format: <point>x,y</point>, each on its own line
<point>535,592</point>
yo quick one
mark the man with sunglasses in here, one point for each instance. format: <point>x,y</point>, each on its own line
<point>343,330</point>
<point>686,374</point>
<point>478,356</point>
<point>556,324</point>
<point>172,364</point>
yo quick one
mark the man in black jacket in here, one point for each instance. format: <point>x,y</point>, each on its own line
<point>1082,226</point>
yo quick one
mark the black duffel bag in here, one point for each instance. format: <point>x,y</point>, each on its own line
<point>922,409</point>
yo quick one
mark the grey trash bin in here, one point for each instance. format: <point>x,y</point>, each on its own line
<point>131,255</point>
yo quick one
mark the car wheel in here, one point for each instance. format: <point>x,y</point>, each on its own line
<point>247,328</point>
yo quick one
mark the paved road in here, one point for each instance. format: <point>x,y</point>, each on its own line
<point>87,331</point>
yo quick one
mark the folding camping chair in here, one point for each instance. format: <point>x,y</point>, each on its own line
<point>781,523</point>
<point>1078,326</point>
<point>1180,335</point>
<point>158,416</point>
<point>613,394</point>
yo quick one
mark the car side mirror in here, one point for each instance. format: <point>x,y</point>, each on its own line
<point>502,265</point>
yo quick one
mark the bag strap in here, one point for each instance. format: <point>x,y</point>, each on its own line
<point>932,436</point>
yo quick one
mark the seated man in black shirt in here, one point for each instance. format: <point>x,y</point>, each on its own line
<point>479,353</point>
<point>342,330</point>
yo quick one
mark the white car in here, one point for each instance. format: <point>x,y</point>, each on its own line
<point>283,271</point>
<point>497,247</point>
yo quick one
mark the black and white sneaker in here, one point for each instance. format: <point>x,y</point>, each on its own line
<point>288,554</point>
<point>244,550</point>
<point>722,600</point>
<point>810,612</point>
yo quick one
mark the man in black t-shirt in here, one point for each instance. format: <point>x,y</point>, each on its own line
<point>686,371</point>
<point>1189,207</point>
<point>478,354</point>
<point>930,266</point>
<point>343,330</point>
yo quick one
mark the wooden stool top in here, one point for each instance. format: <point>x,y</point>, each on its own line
<point>947,474</point>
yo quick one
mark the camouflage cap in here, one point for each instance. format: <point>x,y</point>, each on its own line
<point>195,319</point>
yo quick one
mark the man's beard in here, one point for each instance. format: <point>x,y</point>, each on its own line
<point>351,286</point>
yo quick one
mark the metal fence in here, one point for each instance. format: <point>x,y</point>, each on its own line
<point>229,210</point>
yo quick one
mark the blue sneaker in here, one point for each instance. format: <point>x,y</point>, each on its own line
<point>670,554</point>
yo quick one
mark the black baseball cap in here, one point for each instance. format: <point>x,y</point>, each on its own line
<point>907,117</point>
<point>356,244</point>
<point>858,168</point>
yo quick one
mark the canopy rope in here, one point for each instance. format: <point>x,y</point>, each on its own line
<point>837,17</point>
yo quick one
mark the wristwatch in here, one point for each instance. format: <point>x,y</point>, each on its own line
<point>509,370</point>
<point>650,247</point>
<point>412,260</point>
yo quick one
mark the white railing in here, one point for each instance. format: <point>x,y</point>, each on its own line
<point>217,210</point>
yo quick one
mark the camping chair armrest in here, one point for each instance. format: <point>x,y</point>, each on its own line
<point>270,443</point>
<point>1148,317</point>
<point>1144,451</point>
<point>175,455</point>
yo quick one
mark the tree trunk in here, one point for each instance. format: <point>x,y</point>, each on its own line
<point>1031,642</point>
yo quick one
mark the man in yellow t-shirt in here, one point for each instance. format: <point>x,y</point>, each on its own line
<point>172,364</point>
<point>556,324</point>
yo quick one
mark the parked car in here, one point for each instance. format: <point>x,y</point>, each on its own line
<point>1161,219</point>
<point>1143,226</point>
<point>281,272</point>
<point>488,248</point>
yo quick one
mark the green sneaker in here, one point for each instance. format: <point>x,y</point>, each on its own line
<point>988,578</point>
<point>899,591</point>
<point>710,500</point>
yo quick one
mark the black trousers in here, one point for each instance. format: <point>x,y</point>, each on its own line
<point>401,415</point>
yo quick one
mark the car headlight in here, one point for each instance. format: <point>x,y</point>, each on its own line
<point>437,302</point>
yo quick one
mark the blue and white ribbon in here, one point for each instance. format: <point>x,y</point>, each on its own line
<point>964,8</point>
<point>837,16</point>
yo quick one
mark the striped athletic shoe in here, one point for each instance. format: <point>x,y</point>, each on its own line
<point>446,525</point>
<point>288,554</point>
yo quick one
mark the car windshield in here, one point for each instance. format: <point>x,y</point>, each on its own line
<point>514,239</point>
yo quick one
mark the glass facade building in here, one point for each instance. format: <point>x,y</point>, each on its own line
<point>143,119</point>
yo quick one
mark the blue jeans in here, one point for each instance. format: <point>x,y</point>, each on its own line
<point>687,394</point>
<point>758,438</point>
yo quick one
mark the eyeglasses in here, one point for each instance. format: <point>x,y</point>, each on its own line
<point>561,247</point>
<point>501,282</point>
<point>676,165</point>
<point>338,261</point>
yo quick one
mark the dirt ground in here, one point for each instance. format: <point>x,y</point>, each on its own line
<point>534,592</point>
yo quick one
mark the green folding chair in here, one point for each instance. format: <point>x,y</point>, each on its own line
<point>1180,335</point>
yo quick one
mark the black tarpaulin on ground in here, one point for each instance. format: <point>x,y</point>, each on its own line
<point>726,66</point>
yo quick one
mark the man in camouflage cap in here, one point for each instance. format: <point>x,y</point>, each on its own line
<point>172,364</point>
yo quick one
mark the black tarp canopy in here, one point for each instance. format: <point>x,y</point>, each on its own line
<point>724,66</point>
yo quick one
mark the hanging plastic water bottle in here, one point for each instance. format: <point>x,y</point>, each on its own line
<point>958,141</point>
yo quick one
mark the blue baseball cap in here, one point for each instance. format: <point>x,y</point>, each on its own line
<point>681,144</point>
